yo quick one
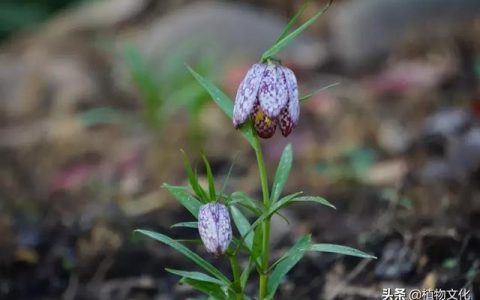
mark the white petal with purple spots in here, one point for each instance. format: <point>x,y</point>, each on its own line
<point>293,105</point>
<point>282,92</point>
<point>247,94</point>
<point>267,94</point>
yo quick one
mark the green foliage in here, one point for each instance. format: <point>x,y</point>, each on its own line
<point>243,226</point>
<point>193,179</point>
<point>185,225</point>
<point>163,91</point>
<point>211,289</point>
<point>292,22</point>
<point>211,180</point>
<point>246,272</point>
<point>187,252</point>
<point>245,201</point>
<point>286,39</point>
<point>351,166</point>
<point>146,83</point>
<point>286,263</point>
<point>394,196</point>
<point>253,234</point>
<point>450,263</point>
<point>184,198</point>
<point>225,104</point>
<point>315,199</point>
<point>281,176</point>
<point>198,276</point>
<point>257,244</point>
<point>338,249</point>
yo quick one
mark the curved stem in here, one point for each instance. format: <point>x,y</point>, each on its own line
<point>263,280</point>
<point>263,172</point>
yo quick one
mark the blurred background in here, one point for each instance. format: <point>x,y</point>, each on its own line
<point>96,103</point>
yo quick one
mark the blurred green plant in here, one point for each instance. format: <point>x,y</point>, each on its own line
<point>167,90</point>
<point>394,196</point>
<point>351,166</point>
<point>163,92</point>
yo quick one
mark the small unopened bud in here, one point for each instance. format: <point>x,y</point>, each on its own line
<point>214,227</point>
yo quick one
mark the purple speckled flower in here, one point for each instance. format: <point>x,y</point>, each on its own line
<point>214,227</point>
<point>269,94</point>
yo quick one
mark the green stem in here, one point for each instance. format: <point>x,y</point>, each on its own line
<point>263,280</point>
<point>236,277</point>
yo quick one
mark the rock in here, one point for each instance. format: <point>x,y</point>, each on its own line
<point>435,170</point>
<point>464,154</point>
<point>397,260</point>
<point>227,31</point>
<point>447,122</point>
<point>363,31</point>
<point>97,15</point>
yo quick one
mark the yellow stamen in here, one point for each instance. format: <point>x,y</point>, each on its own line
<point>260,116</point>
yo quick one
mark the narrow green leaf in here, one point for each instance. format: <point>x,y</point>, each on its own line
<point>195,275</point>
<point>287,39</point>
<point>272,210</point>
<point>281,176</point>
<point>283,202</point>
<point>292,22</point>
<point>211,179</point>
<point>229,173</point>
<point>250,239</point>
<point>144,79</point>
<point>247,202</point>
<point>286,263</point>
<point>225,104</point>
<point>283,217</point>
<point>332,248</point>
<point>257,246</point>
<point>190,241</point>
<point>246,273</point>
<point>308,96</point>
<point>192,178</point>
<point>185,251</point>
<point>299,244</point>
<point>315,199</point>
<point>185,225</point>
<point>187,200</point>
<point>243,226</point>
<point>211,289</point>
<point>222,100</point>
<point>238,244</point>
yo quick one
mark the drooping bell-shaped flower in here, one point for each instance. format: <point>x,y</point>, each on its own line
<point>214,227</point>
<point>269,95</point>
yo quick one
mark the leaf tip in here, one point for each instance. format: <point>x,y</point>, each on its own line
<point>137,232</point>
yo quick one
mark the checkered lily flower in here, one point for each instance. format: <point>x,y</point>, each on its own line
<point>214,227</point>
<point>269,95</point>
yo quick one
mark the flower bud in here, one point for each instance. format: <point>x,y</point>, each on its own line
<point>214,227</point>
